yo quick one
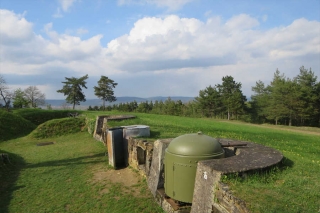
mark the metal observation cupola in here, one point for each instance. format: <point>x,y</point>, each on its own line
<point>181,158</point>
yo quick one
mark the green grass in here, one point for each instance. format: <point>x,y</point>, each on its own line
<point>295,187</point>
<point>39,116</point>
<point>59,178</point>
<point>13,126</point>
<point>56,178</point>
<point>58,127</point>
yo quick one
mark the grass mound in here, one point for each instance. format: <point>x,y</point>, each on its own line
<point>13,126</point>
<point>58,127</point>
<point>39,116</point>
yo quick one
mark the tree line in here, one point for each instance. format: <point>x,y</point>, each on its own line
<point>284,101</point>
<point>32,97</point>
<point>288,101</point>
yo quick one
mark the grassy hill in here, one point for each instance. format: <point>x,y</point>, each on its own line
<point>13,126</point>
<point>63,172</point>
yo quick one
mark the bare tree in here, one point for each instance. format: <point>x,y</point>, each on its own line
<point>34,96</point>
<point>5,94</point>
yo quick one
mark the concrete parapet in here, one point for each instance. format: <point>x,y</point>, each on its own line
<point>156,176</point>
<point>101,125</point>
<point>210,194</point>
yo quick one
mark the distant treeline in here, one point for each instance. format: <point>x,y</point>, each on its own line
<point>284,101</point>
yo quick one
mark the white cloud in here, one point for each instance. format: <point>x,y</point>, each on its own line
<point>173,55</point>
<point>241,22</point>
<point>171,5</point>
<point>21,46</point>
<point>14,28</point>
<point>82,31</point>
<point>66,4</point>
<point>181,42</point>
<point>58,13</point>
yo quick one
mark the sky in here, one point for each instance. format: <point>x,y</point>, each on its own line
<point>156,47</point>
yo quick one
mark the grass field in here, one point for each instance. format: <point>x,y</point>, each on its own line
<point>57,178</point>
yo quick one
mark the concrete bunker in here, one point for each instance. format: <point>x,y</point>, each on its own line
<point>117,145</point>
<point>125,148</point>
<point>101,127</point>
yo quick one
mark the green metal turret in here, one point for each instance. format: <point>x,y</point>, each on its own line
<point>181,158</point>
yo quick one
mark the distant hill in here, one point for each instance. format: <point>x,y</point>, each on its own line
<point>125,99</point>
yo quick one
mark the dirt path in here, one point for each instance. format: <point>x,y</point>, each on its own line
<point>129,180</point>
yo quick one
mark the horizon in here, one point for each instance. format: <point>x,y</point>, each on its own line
<point>156,48</point>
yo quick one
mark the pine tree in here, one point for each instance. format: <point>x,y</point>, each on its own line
<point>104,90</point>
<point>231,96</point>
<point>73,90</point>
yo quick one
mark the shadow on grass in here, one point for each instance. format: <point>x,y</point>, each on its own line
<point>285,163</point>
<point>91,159</point>
<point>9,173</point>
<point>154,134</point>
<point>10,135</point>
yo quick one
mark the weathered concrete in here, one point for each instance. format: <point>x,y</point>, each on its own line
<point>140,155</point>
<point>225,201</point>
<point>116,141</point>
<point>168,205</point>
<point>251,157</point>
<point>101,125</point>
<point>156,176</point>
<point>116,148</point>
<point>136,131</point>
<point>210,195</point>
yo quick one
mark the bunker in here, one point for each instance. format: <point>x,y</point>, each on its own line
<point>181,158</point>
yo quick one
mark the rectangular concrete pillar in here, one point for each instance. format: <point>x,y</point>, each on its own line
<point>116,149</point>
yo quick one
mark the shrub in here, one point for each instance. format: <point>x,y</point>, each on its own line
<point>58,127</point>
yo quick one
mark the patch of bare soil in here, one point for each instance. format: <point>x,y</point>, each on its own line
<point>128,181</point>
<point>125,176</point>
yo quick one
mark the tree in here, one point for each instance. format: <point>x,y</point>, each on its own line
<point>169,106</point>
<point>259,101</point>
<point>5,94</point>
<point>231,95</point>
<point>34,96</point>
<point>294,100</point>
<point>317,104</point>
<point>104,90</point>
<point>19,99</point>
<point>276,108</point>
<point>291,99</point>
<point>209,101</point>
<point>73,90</point>
<point>308,94</point>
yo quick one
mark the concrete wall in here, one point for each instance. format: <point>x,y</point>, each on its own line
<point>210,194</point>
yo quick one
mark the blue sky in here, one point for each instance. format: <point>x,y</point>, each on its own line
<point>153,47</point>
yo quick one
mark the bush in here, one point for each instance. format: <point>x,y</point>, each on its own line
<point>58,127</point>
